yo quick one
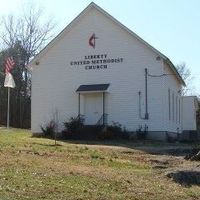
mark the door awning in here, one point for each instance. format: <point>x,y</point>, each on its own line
<point>93,88</point>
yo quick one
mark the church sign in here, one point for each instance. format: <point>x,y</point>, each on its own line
<point>97,61</point>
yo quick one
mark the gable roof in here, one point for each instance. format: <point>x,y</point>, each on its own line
<point>84,12</point>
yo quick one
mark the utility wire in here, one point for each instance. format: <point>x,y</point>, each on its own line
<point>169,75</point>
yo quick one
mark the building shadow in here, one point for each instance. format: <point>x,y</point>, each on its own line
<point>148,146</point>
<point>186,178</point>
<point>151,147</point>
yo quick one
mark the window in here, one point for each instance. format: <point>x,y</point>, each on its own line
<point>173,106</point>
<point>179,109</point>
<point>176,109</point>
<point>169,103</point>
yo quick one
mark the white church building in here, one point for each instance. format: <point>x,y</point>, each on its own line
<point>98,68</point>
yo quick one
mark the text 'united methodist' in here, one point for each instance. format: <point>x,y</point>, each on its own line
<point>99,61</point>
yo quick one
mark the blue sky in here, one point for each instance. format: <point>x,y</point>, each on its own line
<point>171,26</point>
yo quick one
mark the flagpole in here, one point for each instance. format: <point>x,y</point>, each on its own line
<point>9,83</point>
<point>8,109</point>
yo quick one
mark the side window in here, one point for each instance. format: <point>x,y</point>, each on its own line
<point>176,109</point>
<point>169,103</point>
<point>173,106</point>
<point>179,111</point>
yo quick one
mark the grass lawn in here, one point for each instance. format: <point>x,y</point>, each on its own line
<point>33,168</point>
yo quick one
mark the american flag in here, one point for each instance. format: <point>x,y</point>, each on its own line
<point>9,64</point>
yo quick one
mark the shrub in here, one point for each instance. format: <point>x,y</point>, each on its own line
<point>83,133</point>
<point>75,129</point>
<point>116,127</point>
<point>105,135</point>
<point>142,134</point>
<point>49,130</point>
<point>74,124</point>
<point>114,131</point>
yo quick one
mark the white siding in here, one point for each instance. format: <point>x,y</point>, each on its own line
<point>54,81</point>
<point>170,83</point>
<point>189,113</point>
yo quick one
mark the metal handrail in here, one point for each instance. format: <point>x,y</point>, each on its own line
<point>80,116</point>
<point>103,120</point>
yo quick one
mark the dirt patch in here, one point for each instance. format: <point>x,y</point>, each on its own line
<point>163,162</point>
<point>159,164</point>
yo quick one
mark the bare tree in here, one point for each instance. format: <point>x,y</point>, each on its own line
<point>23,37</point>
<point>29,29</point>
<point>185,73</point>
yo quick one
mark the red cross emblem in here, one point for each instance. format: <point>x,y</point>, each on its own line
<point>92,40</point>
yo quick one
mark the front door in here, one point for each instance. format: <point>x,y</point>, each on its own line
<point>93,108</point>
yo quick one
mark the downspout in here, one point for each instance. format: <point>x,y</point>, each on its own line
<point>103,108</point>
<point>146,96</point>
<point>79,105</point>
<point>140,112</point>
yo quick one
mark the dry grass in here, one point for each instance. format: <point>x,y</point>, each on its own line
<point>33,168</point>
